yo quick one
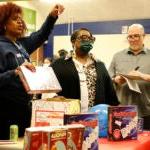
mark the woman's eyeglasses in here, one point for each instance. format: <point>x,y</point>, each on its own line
<point>86,38</point>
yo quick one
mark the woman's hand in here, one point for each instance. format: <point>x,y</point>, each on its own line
<point>57,10</point>
<point>28,65</point>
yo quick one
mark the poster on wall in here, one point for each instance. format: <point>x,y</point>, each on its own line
<point>29,16</point>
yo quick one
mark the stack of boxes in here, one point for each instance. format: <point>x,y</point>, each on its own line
<point>68,129</point>
<point>54,137</point>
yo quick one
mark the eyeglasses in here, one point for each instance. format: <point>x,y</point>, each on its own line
<point>134,36</point>
<point>86,38</point>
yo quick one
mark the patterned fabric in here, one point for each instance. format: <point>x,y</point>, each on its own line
<point>70,82</point>
<point>87,74</point>
<point>91,75</point>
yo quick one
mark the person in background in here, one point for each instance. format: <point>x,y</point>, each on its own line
<point>15,49</point>
<point>128,61</point>
<point>47,61</point>
<point>82,76</point>
<point>71,53</point>
<point>62,53</point>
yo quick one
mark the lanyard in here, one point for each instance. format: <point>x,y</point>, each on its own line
<point>22,51</point>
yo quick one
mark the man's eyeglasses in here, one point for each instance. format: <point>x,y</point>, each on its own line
<point>86,38</point>
<point>134,36</point>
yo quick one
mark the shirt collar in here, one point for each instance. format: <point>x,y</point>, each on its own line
<point>90,55</point>
<point>143,51</point>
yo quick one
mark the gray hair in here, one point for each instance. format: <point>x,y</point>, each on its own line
<point>140,26</point>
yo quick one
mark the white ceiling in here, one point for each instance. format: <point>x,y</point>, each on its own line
<point>95,10</point>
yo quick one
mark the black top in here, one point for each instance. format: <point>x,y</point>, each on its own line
<point>67,75</point>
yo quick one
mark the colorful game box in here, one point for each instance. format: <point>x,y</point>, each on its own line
<point>66,137</point>
<point>49,118</point>
<point>33,139</point>
<point>75,134</point>
<point>55,139</point>
<point>122,122</point>
<point>41,110</point>
<point>90,121</point>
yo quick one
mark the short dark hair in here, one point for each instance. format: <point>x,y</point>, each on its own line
<point>76,32</point>
<point>6,10</point>
<point>62,51</point>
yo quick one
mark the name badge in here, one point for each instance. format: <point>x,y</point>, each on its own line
<point>18,55</point>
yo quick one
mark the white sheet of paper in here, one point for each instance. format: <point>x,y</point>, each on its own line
<point>133,85</point>
<point>43,79</point>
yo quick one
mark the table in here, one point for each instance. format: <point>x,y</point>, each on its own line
<point>142,143</point>
<point>13,146</point>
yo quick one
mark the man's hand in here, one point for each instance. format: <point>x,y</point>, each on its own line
<point>136,74</point>
<point>119,80</point>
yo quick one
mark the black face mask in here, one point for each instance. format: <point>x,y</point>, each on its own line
<point>85,46</point>
<point>62,55</point>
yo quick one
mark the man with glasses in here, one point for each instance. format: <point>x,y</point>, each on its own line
<point>136,57</point>
<point>82,76</point>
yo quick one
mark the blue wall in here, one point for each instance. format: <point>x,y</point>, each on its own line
<point>106,27</point>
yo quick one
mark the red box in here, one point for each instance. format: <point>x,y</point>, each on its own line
<point>55,139</point>
<point>75,133</point>
<point>33,139</point>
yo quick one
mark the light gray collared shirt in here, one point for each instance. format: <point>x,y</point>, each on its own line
<point>125,61</point>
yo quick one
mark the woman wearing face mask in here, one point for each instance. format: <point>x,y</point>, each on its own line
<point>83,77</point>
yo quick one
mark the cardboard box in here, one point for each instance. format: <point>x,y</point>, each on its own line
<point>69,106</point>
<point>90,121</point>
<point>122,122</point>
<point>68,137</point>
<point>49,118</point>
<point>33,139</point>
<point>55,139</point>
<point>75,134</point>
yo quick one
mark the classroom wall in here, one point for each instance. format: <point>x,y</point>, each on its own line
<point>104,17</point>
<point>91,10</point>
<point>110,37</point>
<point>104,48</point>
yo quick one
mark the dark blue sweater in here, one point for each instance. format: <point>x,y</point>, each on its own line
<point>11,88</point>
